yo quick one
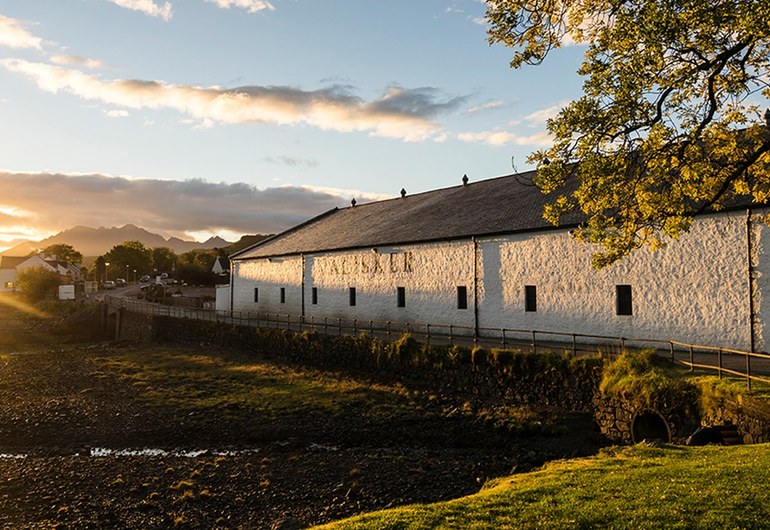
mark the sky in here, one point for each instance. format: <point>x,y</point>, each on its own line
<point>193,118</point>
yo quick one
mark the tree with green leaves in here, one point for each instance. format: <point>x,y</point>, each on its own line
<point>163,259</point>
<point>672,122</point>
<point>64,252</point>
<point>37,283</point>
<point>128,256</point>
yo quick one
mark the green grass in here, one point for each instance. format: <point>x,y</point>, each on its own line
<point>635,488</point>
<point>189,381</point>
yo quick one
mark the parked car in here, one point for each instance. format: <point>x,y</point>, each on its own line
<point>144,279</point>
<point>108,285</point>
<point>120,282</point>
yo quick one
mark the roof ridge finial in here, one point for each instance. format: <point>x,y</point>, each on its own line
<point>353,202</point>
<point>403,193</point>
<point>465,180</point>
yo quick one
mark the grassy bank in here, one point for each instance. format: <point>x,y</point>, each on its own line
<point>636,488</point>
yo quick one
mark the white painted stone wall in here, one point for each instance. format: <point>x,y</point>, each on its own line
<point>269,276</point>
<point>429,274</point>
<point>761,277</point>
<point>693,290</point>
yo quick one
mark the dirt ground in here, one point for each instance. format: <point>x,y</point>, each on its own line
<point>70,436</point>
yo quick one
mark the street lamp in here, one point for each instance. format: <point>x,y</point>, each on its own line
<point>134,275</point>
<point>127,276</point>
<point>106,271</point>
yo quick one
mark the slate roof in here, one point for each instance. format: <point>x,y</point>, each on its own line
<point>11,262</point>
<point>500,205</point>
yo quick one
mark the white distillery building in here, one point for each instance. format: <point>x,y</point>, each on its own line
<point>480,255</point>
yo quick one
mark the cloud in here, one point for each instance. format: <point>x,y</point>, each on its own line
<point>490,105</point>
<point>13,35</point>
<point>399,113</point>
<point>290,161</point>
<point>252,6</point>
<point>117,113</point>
<point>169,207</point>
<point>76,60</point>
<point>498,138</point>
<point>148,7</point>
<point>538,118</point>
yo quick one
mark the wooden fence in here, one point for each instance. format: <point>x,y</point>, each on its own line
<point>752,366</point>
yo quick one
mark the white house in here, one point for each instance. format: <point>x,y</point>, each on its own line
<point>10,265</point>
<point>480,255</point>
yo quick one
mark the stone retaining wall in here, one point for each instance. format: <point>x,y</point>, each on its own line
<point>504,376</point>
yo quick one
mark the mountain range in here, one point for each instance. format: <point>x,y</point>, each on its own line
<point>98,241</point>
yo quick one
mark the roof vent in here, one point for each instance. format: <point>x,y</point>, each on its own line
<point>403,193</point>
<point>353,202</point>
<point>465,180</point>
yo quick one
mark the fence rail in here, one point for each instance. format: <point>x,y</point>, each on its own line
<point>752,366</point>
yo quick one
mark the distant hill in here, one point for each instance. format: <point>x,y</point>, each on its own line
<point>98,241</point>
<point>244,242</point>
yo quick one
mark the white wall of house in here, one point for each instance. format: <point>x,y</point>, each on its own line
<point>695,289</point>
<point>429,275</point>
<point>269,277</point>
<point>7,279</point>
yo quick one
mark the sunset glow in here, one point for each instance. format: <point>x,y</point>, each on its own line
<point>139,120</point>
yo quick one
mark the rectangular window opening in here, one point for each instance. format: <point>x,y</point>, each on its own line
<point>314,295</point>
<point>401,296</point>
<point>530,298</point>
<point>352,295</point>
<point>256,294</point>
<point>283,295</point>
<point>462,297</point>
<point>623,300</point>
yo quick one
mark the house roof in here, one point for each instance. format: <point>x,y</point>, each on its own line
<point>11,262</point>
<point>500,205</point>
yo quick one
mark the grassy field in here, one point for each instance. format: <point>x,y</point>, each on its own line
<point>635,488</point>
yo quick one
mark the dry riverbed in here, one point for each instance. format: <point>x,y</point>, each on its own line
<point>117,436</point>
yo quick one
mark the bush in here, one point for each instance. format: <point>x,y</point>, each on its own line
<point>638,376</point>
<point>38,283</point>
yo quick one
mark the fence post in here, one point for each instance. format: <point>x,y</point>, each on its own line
<point>622,345</point>
<point>671,348</point>
<point>388,327</point>
<point>355,326</point>
<point>534,342</point>
<point>339,326</point>
<point>503,330</point>
<point>748,369</point>
<point>574,345</point>
<point>451,337</point>
<point>691,358</point>
<point>326,330</point>
<point>719,359</point>
<point>427,331</point>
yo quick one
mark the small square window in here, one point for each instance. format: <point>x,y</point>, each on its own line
<point>352,296</point>
<point>623,300</point>
<point>462,297</point>
<point>283,295</point>
<point>530,298</point>
<point>314,295</point>
<point>256,294</point>
<point>400,297</point>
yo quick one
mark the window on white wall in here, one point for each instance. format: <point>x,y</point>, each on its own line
<point>400,296</point>
<point>623,301</point>
<point>283,295</point>
<point>530,298</point>
<point>352,296</point>
<point>256,294</point>
<point>314,295</point>
<point>462,297</point>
